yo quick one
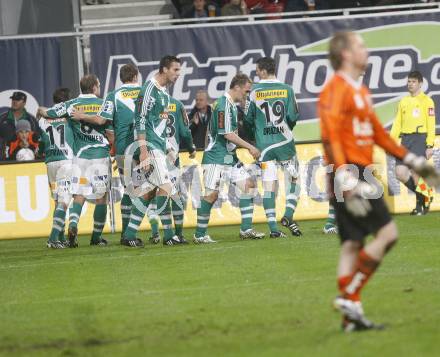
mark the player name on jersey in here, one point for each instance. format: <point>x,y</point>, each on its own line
<point>273,130</point>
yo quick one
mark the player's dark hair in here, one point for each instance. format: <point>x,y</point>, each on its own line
<point>61,95</point>
<point>268,64</point>
<point>240,80</point>
<point>166,62</point>
<point>128,72</point>
<point>87,83</point>
<point>339,42</point>
<point>416,75</point>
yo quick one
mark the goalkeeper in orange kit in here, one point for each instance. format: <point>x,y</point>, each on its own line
<point>350,128</point>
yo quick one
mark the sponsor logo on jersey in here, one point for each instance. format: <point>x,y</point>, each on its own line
<point>172,107</point>
<point>60,109</point>
<point>163,116</point>
<point>108,107</point>
<point>431,112</point>
<point>133,94</point>
<point>271,94</point>
<point>88,108</point>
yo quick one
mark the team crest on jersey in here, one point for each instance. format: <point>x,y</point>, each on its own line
<point>221,120</point>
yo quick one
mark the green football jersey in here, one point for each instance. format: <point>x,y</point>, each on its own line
<point>223,121</point>
<point>56,140</point>
<point>272,112</point>
<point>90,139</point>
<point>177,127</point>
<point>151,114</point>
<point>118,108</point>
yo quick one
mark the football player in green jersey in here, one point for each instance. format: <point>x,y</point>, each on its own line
<point>220,161</point>
<point>178,131</point>
<point>118,111</point>
<point>56,142</point>
<point>151,115</point>
<point>91,162</point>
<point>272,111</point>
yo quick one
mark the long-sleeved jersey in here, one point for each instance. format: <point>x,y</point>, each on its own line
<point>349,126</point>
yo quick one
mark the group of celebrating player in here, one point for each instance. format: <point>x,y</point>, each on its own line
<point>146,127</point>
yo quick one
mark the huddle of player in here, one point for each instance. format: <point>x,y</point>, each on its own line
<point>145,126</point>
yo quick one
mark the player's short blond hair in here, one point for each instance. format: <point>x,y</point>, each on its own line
<point>339,42</point>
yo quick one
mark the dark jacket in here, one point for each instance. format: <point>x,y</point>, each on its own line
<point>198,131</point>
<point>7,130</point>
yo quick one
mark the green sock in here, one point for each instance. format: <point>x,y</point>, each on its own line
<point>153,217</point>
<point>292,199</point>
<point>99,217</point>
<point>269,209</point>
<point>203,215</point>
<point>331,218</point>
<point>125,211</point>
<point>74,214</point>
<point>177,216</point>
<point>61,236</point>
<point>59,217</point>
<point>247,211</point>
<point>138,210</point>
<point>164,210</point>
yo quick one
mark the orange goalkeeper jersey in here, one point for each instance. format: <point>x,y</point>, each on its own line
<point>349,126</point>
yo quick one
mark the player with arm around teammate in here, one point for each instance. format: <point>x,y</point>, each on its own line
<point>91,162</point>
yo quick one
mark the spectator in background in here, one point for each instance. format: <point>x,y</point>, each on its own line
<point>9,120</point>
<point>304,5</point>
<point>200,9</point>
<point>25,146</point>
<point>199,117</point>
<point>235,8</point>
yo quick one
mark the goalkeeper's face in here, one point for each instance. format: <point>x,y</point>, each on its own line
<point>173,72</point>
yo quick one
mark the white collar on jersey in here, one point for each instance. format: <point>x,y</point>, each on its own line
<point>163,89</point>
<point>349,80</point>
<point>130,85</point>
<point>87,96</point>
<point>228,96</point>
<point>271,80</point>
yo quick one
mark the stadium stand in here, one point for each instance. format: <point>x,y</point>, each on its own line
<point>126,12</point>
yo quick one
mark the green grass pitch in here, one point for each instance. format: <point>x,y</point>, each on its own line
<point>234,298</point>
